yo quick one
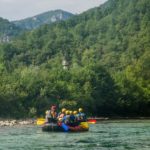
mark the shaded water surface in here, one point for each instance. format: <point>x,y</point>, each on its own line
<point>106,135</point>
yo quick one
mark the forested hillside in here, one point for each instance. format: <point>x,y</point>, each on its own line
<point>107,64</point>
<point>7,30</point>
<point>41,19</point>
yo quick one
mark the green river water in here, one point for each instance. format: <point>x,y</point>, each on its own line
<point>106,135</point>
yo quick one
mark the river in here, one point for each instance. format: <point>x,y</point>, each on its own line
<point>105,135</point>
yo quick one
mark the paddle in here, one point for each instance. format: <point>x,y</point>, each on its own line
<point>65,127</point>
<point>84,125</point>
<point>92,121</point>
<point>40,121</point>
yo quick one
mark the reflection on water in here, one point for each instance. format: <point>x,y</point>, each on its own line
<point>106,135</point>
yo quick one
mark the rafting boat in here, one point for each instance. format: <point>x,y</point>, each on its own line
<point>54,127</point>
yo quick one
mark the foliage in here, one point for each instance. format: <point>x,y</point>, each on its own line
<point>68,104</point>
<point>107,52</point>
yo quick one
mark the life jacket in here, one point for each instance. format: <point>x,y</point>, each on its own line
<point>66,119</point>
<point>51,114</point>
<point>81,116</point>
<point>51,117</point>
<point>72,119</point>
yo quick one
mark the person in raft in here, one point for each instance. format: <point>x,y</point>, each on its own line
<point>72,119</point>
<point>66,117</point>
<point>51,115</point>
<point>81,116</point>
<point>61,114</point>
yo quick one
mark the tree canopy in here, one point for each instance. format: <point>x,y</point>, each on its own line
<point>107,52</point>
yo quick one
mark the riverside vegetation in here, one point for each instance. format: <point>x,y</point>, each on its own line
<point>107,50</point>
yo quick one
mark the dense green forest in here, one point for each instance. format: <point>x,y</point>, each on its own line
<point>107,70</point>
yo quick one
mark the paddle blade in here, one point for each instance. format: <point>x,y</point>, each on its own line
<point>65,127</point>
<point>84,125</point>
<point>40,121</point>
<point>92,121</point>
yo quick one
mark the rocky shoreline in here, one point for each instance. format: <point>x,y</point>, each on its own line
<point>16,122</point>
<point>21,122</point>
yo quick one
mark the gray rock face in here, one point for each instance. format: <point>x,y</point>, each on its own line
<point>41,19</point>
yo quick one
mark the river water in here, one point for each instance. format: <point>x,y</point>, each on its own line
<point>106,135</point>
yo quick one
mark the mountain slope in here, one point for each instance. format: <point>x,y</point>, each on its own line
<point>44,18</point>
<point>113,28</point>
<point>7,30</point>
<point>108,62</point>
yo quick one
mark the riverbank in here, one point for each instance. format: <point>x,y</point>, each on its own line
<point>13,122</point>
<point>21,122</point>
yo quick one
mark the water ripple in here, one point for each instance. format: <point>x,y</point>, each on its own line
<point>103,136</point>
